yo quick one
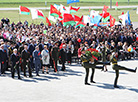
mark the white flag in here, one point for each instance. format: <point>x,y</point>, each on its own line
<point>52,18</point>
<point>94,13</point>
<point>34,13</point>
<point>86,19</point>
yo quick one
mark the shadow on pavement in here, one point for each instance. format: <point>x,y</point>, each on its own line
<point>119,72</point>
<point>110,86</point>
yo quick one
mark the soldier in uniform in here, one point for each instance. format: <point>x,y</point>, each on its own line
<point>55,56</point>
<point>117,67</point>
<point>103,50</point>
<point>90,61</point>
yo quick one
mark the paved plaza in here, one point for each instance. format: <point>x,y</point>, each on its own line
<point>69,86</point>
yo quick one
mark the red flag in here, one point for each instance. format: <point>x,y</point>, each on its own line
<point>67,17</point>
<point>47,21</point>
<point>112,21</point>
<point>116,4</point>
<point>64,8</point>
<point>40,13</point>
<point>76,18</point>
<point>75,9</point>
<point>24,10</point>
<point>60,17</point>
<point>105,8</point>
<point>122,13</point>
<point>81,19</point>
<point>81,24</point>
<point>54,11</point>
<point>104,15</point>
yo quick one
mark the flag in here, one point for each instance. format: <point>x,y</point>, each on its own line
<point>112,21</point>
<point>104,20</point>
<point>86,19</point>
<point>95,26</point>
<point>24,10</point>
<point>64,9</point>
<point>72,1</point>
<point>105,14</point>
<point>122,13</point>
<point>37,14</point>
<point>68,20</point>
<point>52,18</point>
<point>34,13</point>
<point>94,13</point>
<point>81,19</point>
<point>57,6</point>
<point>47,21</point>
<point>105,8</point>
<point>128,21</point>
<point>125,19</point>
<point>54,12</point>
<point>116,5</point>
<point>80,24</point>
<point>95,19</point>
<point>72,9</point>
<point>76,18</point>
<point>40,14</point>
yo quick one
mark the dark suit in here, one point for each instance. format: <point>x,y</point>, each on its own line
<point>26,56</point>
<point>14,59</point>
<point>1,61</point>
<point>63,54</point>
<point>31,49</point>
<point>55,57</point>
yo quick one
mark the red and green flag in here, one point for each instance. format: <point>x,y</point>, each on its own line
<point>112,21</point>
<point>81,19</point>
<point>95,26</point>
<point>37,14</point>
<point>40,14</point>
<point>76,18</point>
<point>54,12</point>
<point>80,24</point>
<point>47,21</point>
<point>116,5</point>
<point>68,19</point>
<point>72,9</point>
<point>24,10</point>
<point>105,8</point>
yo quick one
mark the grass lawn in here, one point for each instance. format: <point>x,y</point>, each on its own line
<point>14,15</point>
<point>41,3</point>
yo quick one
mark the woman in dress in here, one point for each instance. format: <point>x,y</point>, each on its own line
<point>45,59</point>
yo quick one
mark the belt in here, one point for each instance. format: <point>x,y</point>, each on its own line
<point>114,63</point>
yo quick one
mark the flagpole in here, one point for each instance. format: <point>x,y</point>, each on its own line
<point>19,16</point>
<point>19,13</point>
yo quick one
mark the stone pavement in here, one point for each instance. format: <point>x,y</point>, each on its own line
<point>69,86</point>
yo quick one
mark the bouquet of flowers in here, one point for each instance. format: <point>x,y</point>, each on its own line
<point>89,55</point>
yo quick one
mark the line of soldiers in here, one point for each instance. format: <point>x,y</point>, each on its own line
<point>92,62</point>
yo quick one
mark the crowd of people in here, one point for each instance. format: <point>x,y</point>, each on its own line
<point>38,47</point>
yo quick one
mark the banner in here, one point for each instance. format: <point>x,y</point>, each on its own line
<point>72,1</point>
